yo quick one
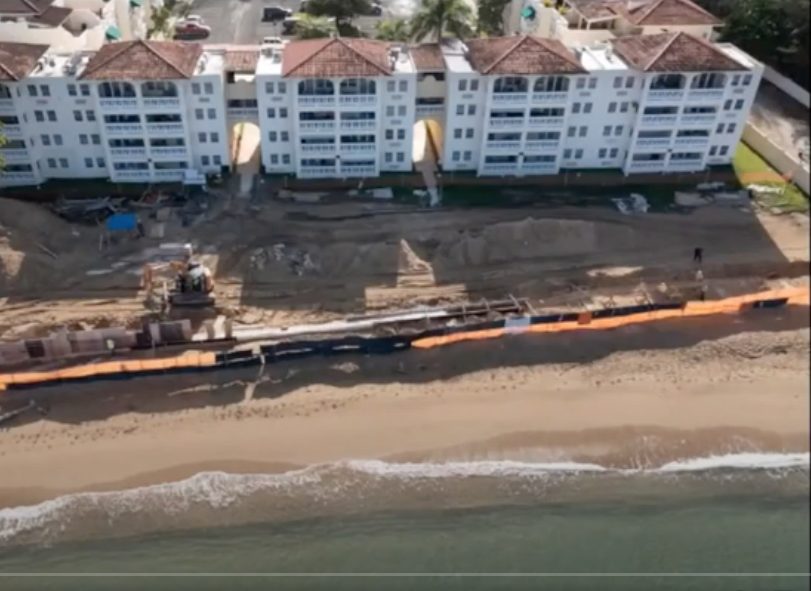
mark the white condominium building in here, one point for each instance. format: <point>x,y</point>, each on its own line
<point>146,111</point>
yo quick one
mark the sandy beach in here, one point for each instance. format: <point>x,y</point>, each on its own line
<point>637,397</point>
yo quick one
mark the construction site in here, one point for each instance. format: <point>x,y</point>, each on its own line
<point>305,263</point>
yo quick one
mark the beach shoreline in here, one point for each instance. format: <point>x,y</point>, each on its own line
<point>633,398</point>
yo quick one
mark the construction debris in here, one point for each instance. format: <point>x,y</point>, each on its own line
<point>635,203</point>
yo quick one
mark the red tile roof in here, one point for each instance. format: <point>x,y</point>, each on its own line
<point>53,16</point>
<point>673,12</point>
<point>673,52</point>
<point>596,9</point>
<point>143,60</point>
<point>17,60</point>
<point>316,58</point>
<point>241,60</point>
<point>24,7</point>
<point>428,57</point>
<point>521,56</point>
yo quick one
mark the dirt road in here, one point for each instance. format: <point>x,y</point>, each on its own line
<point>287,263</point>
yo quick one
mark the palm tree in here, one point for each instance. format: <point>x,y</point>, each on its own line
<point>314,27</point>
<point>393,30</point>
<point>442,16</point>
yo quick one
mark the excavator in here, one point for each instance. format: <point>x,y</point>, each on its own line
<point>190,284</point>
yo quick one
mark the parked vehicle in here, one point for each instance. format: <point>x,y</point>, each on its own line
<point>275,13</point>
<point>272,41</point>
<point>185,31</point>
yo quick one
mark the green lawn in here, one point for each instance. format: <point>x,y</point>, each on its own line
<point>749,166</point>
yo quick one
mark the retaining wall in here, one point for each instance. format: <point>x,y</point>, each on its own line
<point>791,88</point>
<point>786,164</point>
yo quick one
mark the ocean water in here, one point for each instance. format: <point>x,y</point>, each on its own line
<point>743,513</point>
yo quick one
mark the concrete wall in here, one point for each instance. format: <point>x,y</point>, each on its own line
<point>792,89</point>
<point>775,156</point>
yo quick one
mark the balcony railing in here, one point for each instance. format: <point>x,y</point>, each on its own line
<point>659,120</point>
<point>666,94</point>
<point>357,99</point>
<point>503,145</point>
<point>363,124</point>
<point>124,128</point>
<point>317,148</point>
<point>167,151</point>
<point>362,148</point>
<point>164,128</point>
<point>647,166</point>
<point>12,132</point>
<point>685,165</point>
<point>7,105</point>
<point>325,100</point>
<point>506,122</point>
<point>14,155</point>
<point>650,142</point>
<point>130,175</point>
<point>691,141</point>
<point>541,145</point>
<point>127,152</point>
<point>429,109</point>
<point>118,104</point>
<point>510,97</point>
<point>533,167</point>
<point>550,97</point>
<point>315,172</point>
<point>349,170</point>
<point>238,112</point>
<point>16,178</point>
<point>536,122</point>
<point>500,167</point>
<point>698,118</point>
<point>316,125</point>
<point>703,94</point>
<point>161,103</point>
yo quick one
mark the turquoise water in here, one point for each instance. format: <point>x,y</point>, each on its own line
<point>406,521</point>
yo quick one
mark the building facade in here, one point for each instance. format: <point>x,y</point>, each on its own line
<point>146,111</point>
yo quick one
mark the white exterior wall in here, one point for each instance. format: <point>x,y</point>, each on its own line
<point>465,152</point>
<point>211,155</point>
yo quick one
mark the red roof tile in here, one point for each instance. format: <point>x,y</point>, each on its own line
<point>673,52</point>
<point>53,16</point>
<point>241,60</point>
<point>24,7</point>
<point>143,60</point>
<point>316,58</point>
<point>673,12</point>
<point>17,60</point>
<point>521,56</point>
<point>428,57</point>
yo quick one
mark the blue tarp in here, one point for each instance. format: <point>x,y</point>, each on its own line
<point>122,221</point>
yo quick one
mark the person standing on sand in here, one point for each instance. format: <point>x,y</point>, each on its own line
<point>698,254</point>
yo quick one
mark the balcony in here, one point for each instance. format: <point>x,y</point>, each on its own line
<point>12,132</point>
<point>550,97</point>
<point>365,170</point>
<point>161,103</point>
<point>424,110</point>
<point>665,94</point>
<point>542,145</point>
<point>357,99</point>
<point>511,98</point>
<point>685,165</point>
<point>691,141</point>
<point>499,146</point>
<point>704,94</point>
<point>17,178</point>
<point>316,125</point>
<point>698,118</point>
<point>317,100</point>
<point>316,172</point>
<point>500,168</point>
<point>358,148</point>
<point>118,104</point>
<point>545,122</point>
<point>539,167</point>
<point>651,166</point>
<point>653,142</point>
<point>242,112</point>
<point>368,124</point>
<point>164,128</point>
<point>122,129</point>
<point>507,122</point>
<point>659,120</point>
<point>7,106</point>
<point>170,175</point>
<point>130,175</point>
<point>318,148</point>
<point>14,155</point>
<point>168,151</point>
<point>132,152</point>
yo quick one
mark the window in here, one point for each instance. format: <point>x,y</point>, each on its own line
<point>401,111</point>
<point>602,153</point>
<point>272,136</point>
<point>77,116</point>
<point>403,85</point>
<point>551,84</point>
<point>212,113</point>
<point>208,87</point>
<point>282,87</point>
<point>39,116</point>
<point>462,85</point>
<point>623,107</point>
<point>46,140</point>
<point>724,150</point>
<point>731,128</point>
<point>388,157</point>
<point>215,137</point>
<point>283,113</point>
<point>571,132</point>
<point>274,159</point>
<point>100,162</point>
<point>400,156</point>
<point>90,115</point>
<point>469,133</point>
<point>389,111</point>
<point>471,109</point>
<point>612,107</point>
<point>474,85</point>
<point>88,163</point>
<point>583,131</point>
<point>581,83</point>
<point>618,82</point>
<point>84,89</point>
<point>457,134</point>
<point>719,128</point>
<point>727,105</point>
<point>575,108</point>
<point>456,156</point>
<point>607,130</point>
<point>708,80</point>
<point>199,114</point>
<point>58,139</point>
<point>283,136</point>
<point>51,162</point>
<point>578,154</point>
<point>96,139</point>
<point>618,130</point>
<point>614,152</point>
<point>83,139</point>
<point>195,88</point>
<point>467,156</point>
<point>587,108</point>
<point>739,104</point>
<point>202,137</point>
<point>510,84</point>
<point>460,109</point>
<point>269,86</point>
<point>629,82</point>
<point>714,149</point>
<point>71,90</point>
<point>51,115</point>
<point>401,134</point>
<point>592,83</point>
<point>63,162</point>
<point>204,160</point>
<point>747,79</point>
<point>567,154</point>
<point>271,113</point>
<point>390,86</point>
<point>736,79</point>
<point>45,90</point>
<point>217,161</point>
<point>32,90</point>
<point>390,134</point>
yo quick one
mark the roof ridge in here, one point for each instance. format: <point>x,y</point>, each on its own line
<point>312,55</point>
<point>166,60</point>
<point>366,58</point>
<point>655,58</point>
<point>648,9</point>
<point>9,72</point>
<point>506,54</point>
<point>114,55</point>
<point>656,3</point>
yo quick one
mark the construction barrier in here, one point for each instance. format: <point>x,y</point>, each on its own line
<point>604,319</point>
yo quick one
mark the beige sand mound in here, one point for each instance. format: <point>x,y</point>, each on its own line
<point>409,262</point>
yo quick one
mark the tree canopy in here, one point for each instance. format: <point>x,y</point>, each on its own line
<point>342,10</point>
<point>397,29</point>
<point>314,27</point>
<point>437,17</point>
<point>490,19</point>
